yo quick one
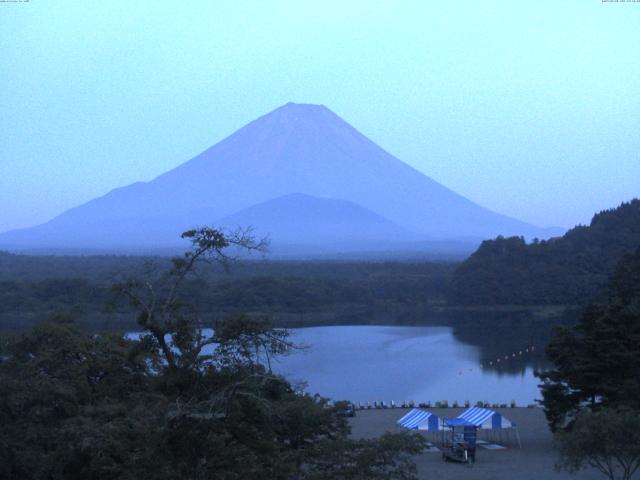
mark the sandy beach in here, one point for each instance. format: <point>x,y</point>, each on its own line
<point>534,461</point>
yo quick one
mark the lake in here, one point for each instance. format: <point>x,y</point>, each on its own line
<point>421,363</point>
<point>374,363</point>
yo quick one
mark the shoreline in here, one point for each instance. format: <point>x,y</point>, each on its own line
<point>417,316</point>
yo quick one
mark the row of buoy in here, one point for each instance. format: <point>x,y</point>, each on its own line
<point>506,358</point>
<point>513,355</point>
<point>445,404</point>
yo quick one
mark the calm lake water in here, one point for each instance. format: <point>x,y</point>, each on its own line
<point>377,363</point>
<point>374,363</point>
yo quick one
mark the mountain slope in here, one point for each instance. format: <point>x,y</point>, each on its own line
<point>296,148</point>
<point>573,269</point>
<point>303,219</point>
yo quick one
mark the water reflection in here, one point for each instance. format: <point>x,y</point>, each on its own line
<point>373,363</point>
<point>509,343</point>
<point>456,362</point>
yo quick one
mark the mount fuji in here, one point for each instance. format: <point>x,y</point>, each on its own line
<point>301,175</point>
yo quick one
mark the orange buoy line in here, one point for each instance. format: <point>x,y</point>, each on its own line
<point>455,404</point>
<point>501,359</point>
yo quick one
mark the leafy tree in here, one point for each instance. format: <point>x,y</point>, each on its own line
<point>380,459</point>
<point>66,395</point>
<point>177,402</point>
<point>608,440</point>
<point>597,362</point>
<point>592,396</point>
<point>173,326</point>
<point>245,340</point>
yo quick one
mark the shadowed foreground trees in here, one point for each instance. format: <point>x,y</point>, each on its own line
<point>175,402</point>
<point>597,362</point>
<point>592,396</point>
<point>607,440</point>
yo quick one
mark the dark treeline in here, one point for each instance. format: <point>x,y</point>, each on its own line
<point>103,269</point>
<point>571,270</point>
<point>292,293</point>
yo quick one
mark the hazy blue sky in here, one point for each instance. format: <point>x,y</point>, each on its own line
<point>529,108</point>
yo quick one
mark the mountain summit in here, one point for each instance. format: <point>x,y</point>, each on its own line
<point>297,148</point>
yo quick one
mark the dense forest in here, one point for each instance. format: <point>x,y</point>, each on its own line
<point>570,270</point>
<point>292,293</point>
<point>591,393</point>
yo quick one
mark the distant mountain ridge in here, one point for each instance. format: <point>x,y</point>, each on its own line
<point>300,218</point>
<point>297,148</point>
<point>572,269</point>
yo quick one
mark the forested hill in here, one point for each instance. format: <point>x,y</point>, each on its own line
<point>572,269</point>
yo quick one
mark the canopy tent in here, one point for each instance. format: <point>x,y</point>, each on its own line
<point>483,419</point>
<point>418,419</point>
<point>458,422</point>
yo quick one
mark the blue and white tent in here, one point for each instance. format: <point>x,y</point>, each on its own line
<point>484,418</point>
<point>418,419</point>
<point>487,420</point>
